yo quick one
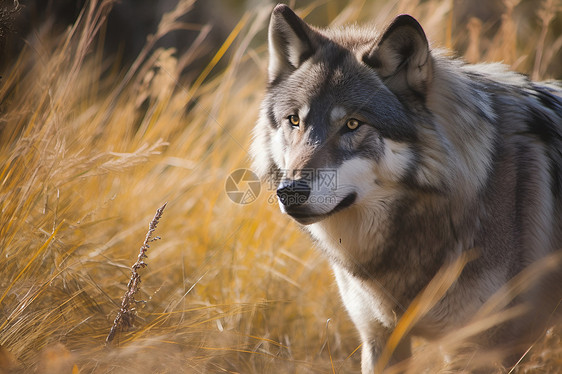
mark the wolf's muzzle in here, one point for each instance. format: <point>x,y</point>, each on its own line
<point>293,192</point>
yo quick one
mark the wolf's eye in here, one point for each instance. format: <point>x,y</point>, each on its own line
<point>295,120</point>
<point>352,124</point>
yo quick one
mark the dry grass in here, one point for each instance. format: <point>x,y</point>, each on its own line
<point>126,315</point>
<point>88,151</point>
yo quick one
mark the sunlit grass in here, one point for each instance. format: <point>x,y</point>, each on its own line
<point>89,150</point>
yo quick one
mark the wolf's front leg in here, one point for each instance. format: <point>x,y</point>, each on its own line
<point>372,349</point>
<point>370,352</point>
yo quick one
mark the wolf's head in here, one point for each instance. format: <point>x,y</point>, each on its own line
<point>340,123</point>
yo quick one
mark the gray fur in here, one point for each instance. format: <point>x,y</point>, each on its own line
<point>448,157</point>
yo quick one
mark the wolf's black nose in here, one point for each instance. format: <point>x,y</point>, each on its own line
<point>293,192</point>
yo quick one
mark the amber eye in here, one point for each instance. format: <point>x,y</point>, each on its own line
<point>295,120</point>
<point>352,124</point>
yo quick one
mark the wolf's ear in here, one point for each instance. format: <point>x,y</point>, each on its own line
<point>291,42</point>
<point>402,52</point>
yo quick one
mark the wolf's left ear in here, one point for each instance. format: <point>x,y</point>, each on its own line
<point>402,52</point>
<point>291,41</point>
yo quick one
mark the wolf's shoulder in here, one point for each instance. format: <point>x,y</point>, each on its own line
<point>512,89</point>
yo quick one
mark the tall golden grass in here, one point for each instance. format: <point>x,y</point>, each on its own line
<point>88,151</point>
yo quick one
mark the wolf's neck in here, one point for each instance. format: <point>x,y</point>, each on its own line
<point>384,237</point>
<point>353,236</point>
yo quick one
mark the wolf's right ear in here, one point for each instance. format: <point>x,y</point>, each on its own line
<point>291,42</point>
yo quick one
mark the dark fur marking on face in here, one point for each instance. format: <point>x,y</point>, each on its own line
<point>371,147</point>
<point>271,117</point>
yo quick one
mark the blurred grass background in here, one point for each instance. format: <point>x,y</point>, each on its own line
<point>93,141</point>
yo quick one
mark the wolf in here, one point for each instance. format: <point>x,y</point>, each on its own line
<point>433,158</point>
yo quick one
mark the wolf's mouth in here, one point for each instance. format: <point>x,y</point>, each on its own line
<point>304,217</point>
